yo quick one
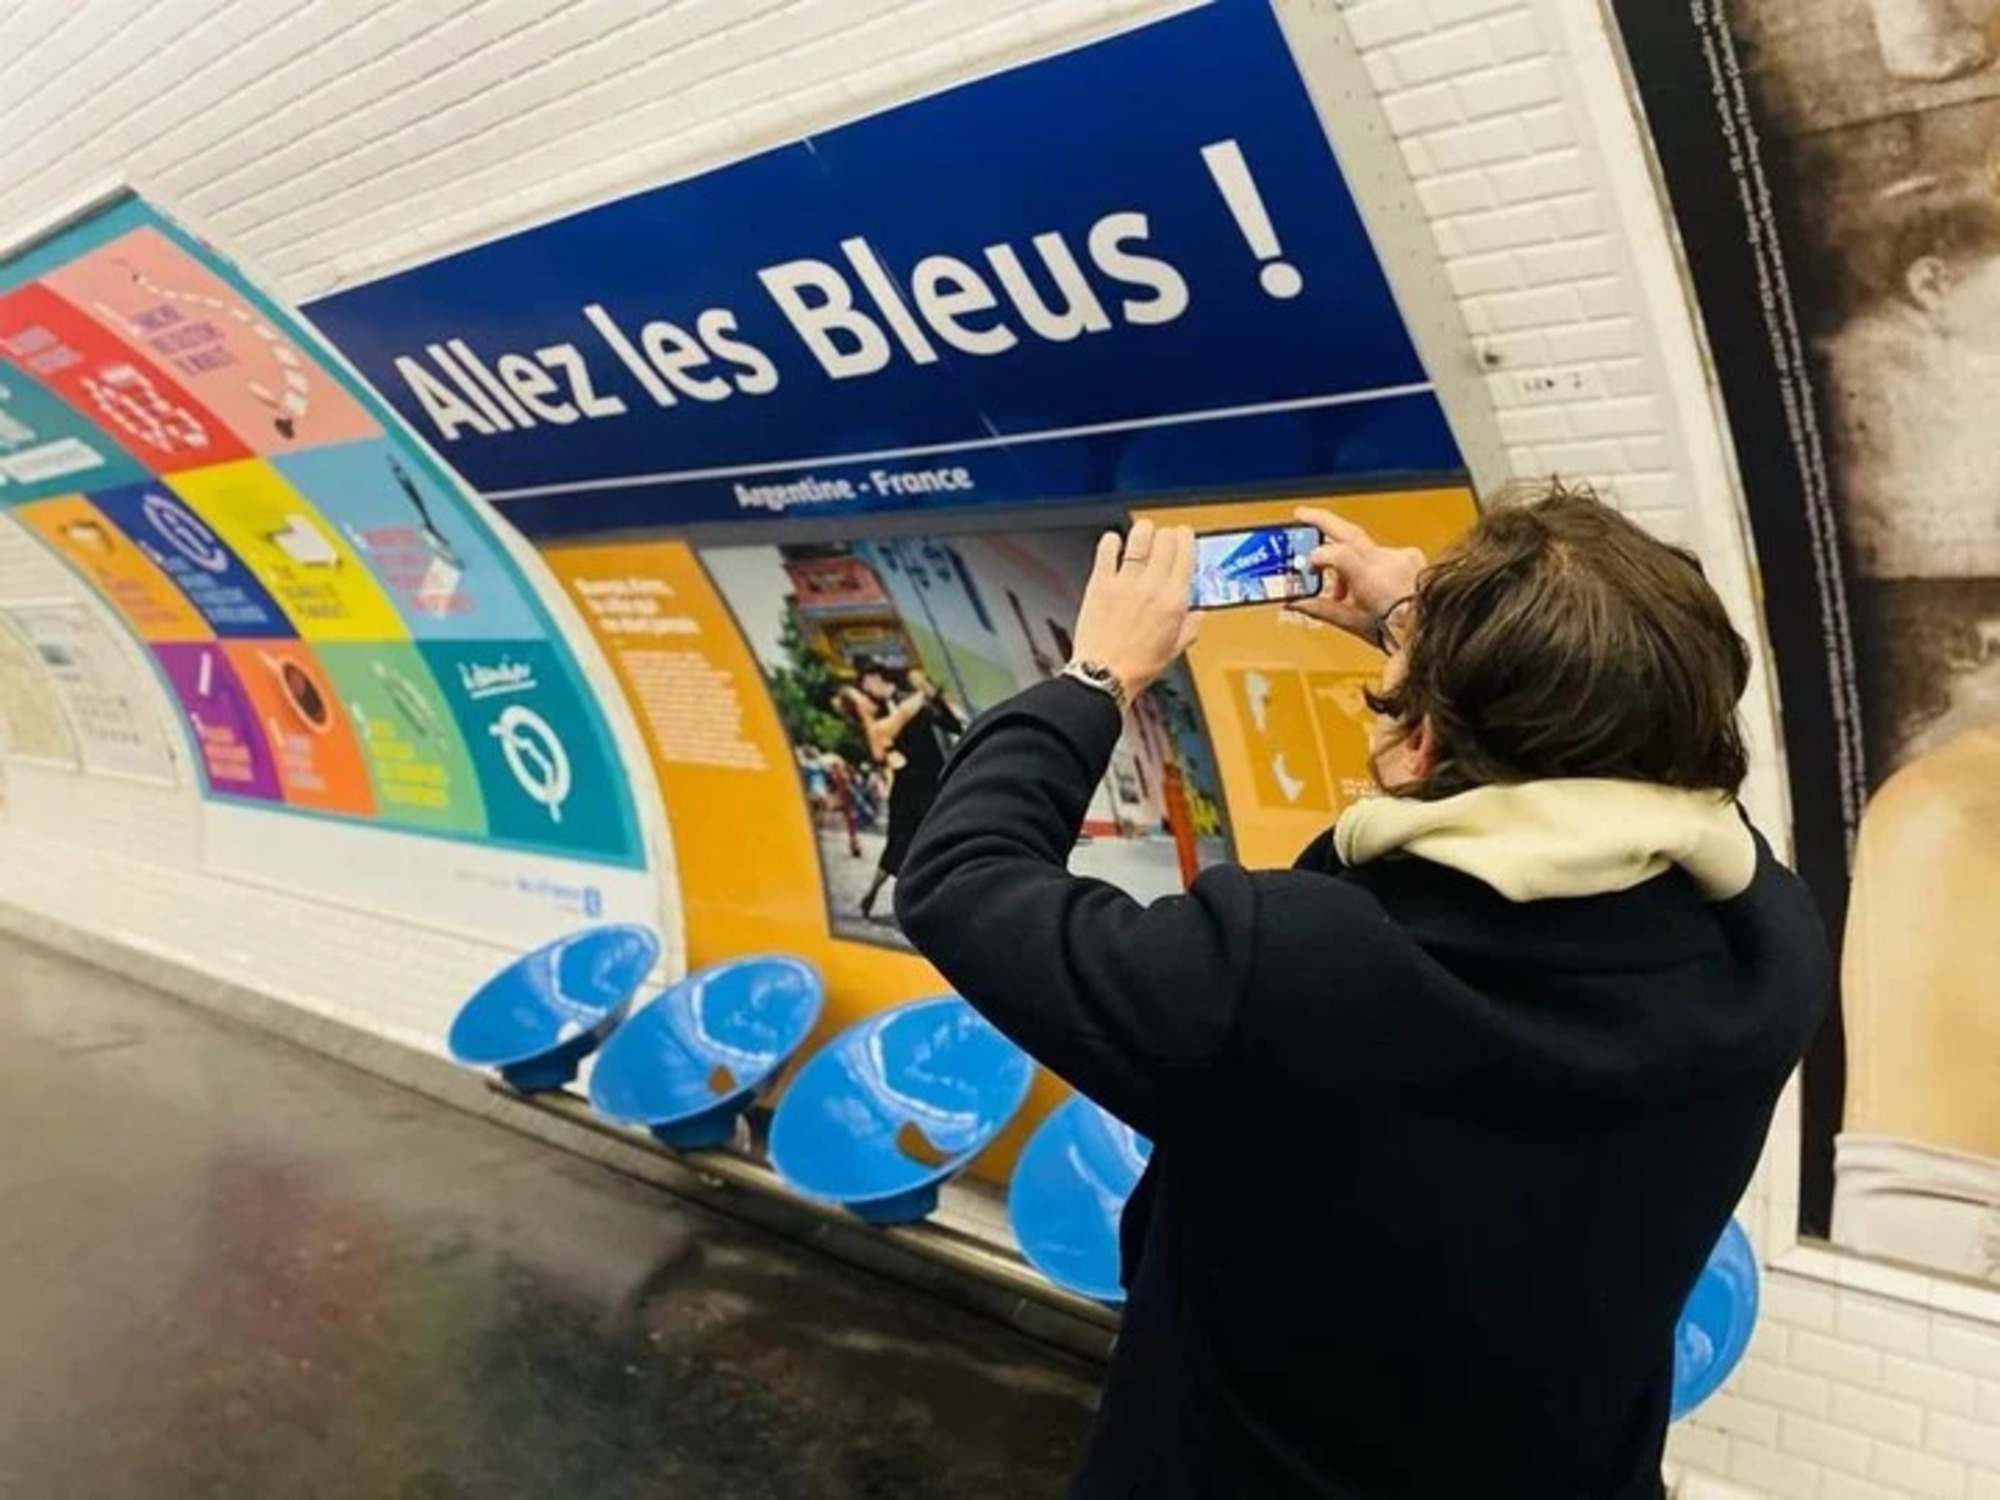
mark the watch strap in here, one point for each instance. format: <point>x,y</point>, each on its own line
<point>1094,674</point>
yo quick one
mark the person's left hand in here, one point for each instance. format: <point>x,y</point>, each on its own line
<point>1135,617</point>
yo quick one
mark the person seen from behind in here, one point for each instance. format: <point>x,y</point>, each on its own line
<point>1448,1116</point>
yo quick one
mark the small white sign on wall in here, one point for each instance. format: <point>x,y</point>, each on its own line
<point>32,724</point>
<point>111,709</point>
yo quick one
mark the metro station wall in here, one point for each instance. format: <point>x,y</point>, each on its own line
<point>842,330</point>
<point>340,146</point>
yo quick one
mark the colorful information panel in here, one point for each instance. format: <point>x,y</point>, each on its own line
<point>341,633</point>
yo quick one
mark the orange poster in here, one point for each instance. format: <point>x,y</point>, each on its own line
<point>744,841</point>
<point>743,835</point>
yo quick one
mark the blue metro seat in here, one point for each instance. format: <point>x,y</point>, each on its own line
<point>1716,1321</point>
<point>878,1118</point>
<point>689,1063</point>
<point>1068,1192</point>
<point>540,1016</point>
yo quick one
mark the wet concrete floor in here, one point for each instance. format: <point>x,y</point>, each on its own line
<point>233,1269</point>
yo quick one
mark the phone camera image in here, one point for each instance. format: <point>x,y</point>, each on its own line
<point>1264,565</point>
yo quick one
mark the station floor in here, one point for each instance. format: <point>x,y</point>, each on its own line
<point>230,1268</point>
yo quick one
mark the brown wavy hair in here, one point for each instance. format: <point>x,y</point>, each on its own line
<point>1560,639</point>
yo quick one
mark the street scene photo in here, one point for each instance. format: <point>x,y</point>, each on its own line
<point>879,654</point>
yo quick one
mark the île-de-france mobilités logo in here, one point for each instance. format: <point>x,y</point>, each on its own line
<point>533,751</point>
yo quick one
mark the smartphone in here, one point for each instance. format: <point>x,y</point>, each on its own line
<point>1265,565</point>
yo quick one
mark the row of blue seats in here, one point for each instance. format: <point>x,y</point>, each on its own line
<point>875,1122</point>
<point>879,1118</point>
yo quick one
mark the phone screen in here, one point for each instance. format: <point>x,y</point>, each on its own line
<point>1266,565</point>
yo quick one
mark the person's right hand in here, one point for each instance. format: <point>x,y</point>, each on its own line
<point>1135,617</point>
<point>1360,578</point>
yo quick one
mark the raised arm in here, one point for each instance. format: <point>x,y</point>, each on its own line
<point>879,727</point>
<point>1126,1002</point>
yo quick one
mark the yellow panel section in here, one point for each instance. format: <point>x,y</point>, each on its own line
<point>1281,693</point>
<point>300,556</point>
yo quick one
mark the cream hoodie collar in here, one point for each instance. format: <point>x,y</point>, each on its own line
<point>1561,837</point>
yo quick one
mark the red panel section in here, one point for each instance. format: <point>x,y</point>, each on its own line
<point>125,393</point>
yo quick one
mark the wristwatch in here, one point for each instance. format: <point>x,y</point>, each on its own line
<point>1096,675</point>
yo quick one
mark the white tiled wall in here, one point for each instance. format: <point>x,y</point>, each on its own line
<point>1509,115</point>
<point>327,143</point>
<point>1846,1394</point>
